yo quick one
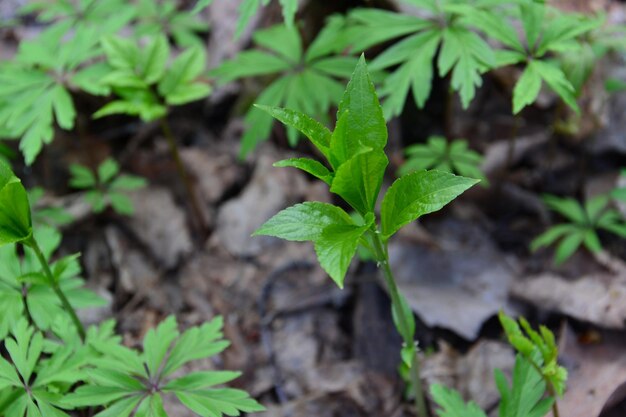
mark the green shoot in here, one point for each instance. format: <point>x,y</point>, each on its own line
<point>126,381</point>
<point>584,221</point>
<point>464,55</point>
<point>438,154</point>
<point>307,81</point>
<point>354,169</point>
<point>106,187</point>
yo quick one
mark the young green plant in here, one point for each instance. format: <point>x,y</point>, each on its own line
<point>146,86</point>
<point>306,81</point>
<point>106,187</point>
<point>437,153</point>
<point>54,364</point>
<point>584,221</point>
<point>354,170</point>
<point>536,373</point>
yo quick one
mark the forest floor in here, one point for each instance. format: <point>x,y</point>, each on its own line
<point>307,348</point>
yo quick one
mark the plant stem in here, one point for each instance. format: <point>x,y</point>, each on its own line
<point>182,173</point>
<point>382,256</point>
<point>555,405</point>
<point>32,243</point>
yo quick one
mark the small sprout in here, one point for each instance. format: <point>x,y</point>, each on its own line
<point>106,187</point>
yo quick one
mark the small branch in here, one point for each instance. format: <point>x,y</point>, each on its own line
<point>32,243</point>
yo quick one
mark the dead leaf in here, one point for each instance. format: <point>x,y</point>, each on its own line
<point>596,371</point>
<point>598,298</point>
<point>457,286</point>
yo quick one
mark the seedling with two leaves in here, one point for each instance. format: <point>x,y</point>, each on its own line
<point>585,220</point>
<point>536,373</point>
<point>69,367</point>
<point>304,81</point>
<point>106,187</point>
<point>354,169</point>
<point>437,153</point>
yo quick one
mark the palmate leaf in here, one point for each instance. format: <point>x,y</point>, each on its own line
<point>144,82</point>
<point>454,157</point>
<point>584,220</point>
<point>106,187</point>
<point>22,279</point>
<point>156,18</point>
<point>42,393</point>
<point>34,94</point>
<point>306,82</point>
<point>108,16</point>
<point>452,405</point>
<point>463,54</point>
<point>124,381</point>
<point>249,8</point>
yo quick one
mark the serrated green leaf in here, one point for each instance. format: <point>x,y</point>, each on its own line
<point>417,194</point>
<point>153,59</point>
<point>359,179</point>
<point>526,89</point>
<point>185,68</point>
<point>452,405</point>
<point>15,213</point>
<point>310,166</point>
<point>317,133</point>
<point>335,248</point>
<point>305,221</point>
<point>525,396</point>
<point>365,123</point>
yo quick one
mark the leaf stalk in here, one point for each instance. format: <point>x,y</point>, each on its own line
<point>31,242</point>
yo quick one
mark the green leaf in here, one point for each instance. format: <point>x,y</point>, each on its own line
<point>157,342</point>
<point>107,170</point>
<point>365,123</point>
<point>153,59</point>
<point>359,179</point>
<point>568,246</point>
<point>310,166</point>
<point>317,133</point>
<point>532,14</point>
<point>121,203</point>
<point>452,405</point>
<point>336,247</point>
<point>305,221</point>
<point>526,89</point>
<point>121,53</point>
<point>417,194</point>
<point>63,107</point>
<point>15,213</point>
<point>185,68</point>
<point>558,82</point>
<point>551,235</point>
<point>525,396</point>
<point>82,177</point>
<point>128,182</point>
